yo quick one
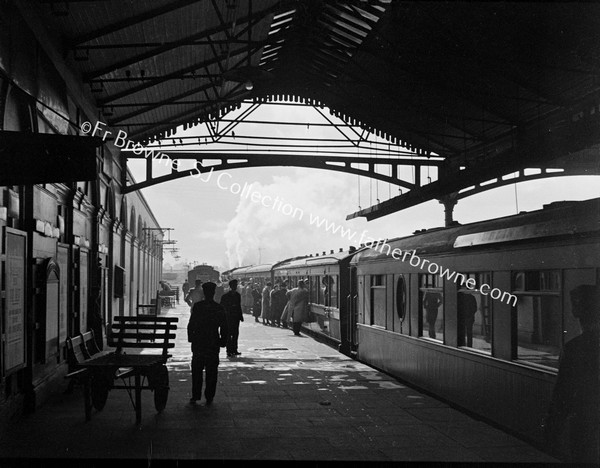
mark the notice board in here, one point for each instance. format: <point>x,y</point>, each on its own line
<point>83,290</point>
<point>13,351</point>
<point>52,296</point>
<point>62,258</point>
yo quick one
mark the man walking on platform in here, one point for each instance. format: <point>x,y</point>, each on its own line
<point>231,300</point>
<point>207,331</point>
<point>195,294</point>
<point>185,288</point>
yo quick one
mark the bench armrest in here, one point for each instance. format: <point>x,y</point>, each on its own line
<point>124,372</point>
<point>76,374</point>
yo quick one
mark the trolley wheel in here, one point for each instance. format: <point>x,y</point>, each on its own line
<point>158,380</point>
<point>99,386</point>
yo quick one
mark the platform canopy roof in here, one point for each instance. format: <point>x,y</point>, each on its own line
<point>488,86</point>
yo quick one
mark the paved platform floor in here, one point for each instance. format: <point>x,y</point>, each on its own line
<point>285,398</point>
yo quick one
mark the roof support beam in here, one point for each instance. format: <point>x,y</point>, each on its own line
<point>141,45</point>
<point>170,76</point>
<point>176,120</point>
<point>171,100</point>
<point>172,45</point>
<point>131,21</point>
<point>531,151</point>
<point>416,106</point>
<point>228,162</point>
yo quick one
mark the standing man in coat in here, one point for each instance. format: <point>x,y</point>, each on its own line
<point>278,302</point>
<point>207,331</point>
<point>231,301</point>
<point>573,423</point>
<point>298,298</point>
<point>265,307</point>
<point>247,299</point>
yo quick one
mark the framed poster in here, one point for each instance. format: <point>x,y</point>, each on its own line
<point>62,258</point>
<point>13,320</point>
<point>52,296</point>
<point>83,290</point>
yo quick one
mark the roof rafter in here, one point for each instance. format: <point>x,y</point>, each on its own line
<point>127,22</point>
<point>176,120</point>
<point>170,99</point>
<point>170,46</point>
<point>171,75</point>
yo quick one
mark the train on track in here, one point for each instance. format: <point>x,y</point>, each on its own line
<point>476,314</point>
<point>204,273</point>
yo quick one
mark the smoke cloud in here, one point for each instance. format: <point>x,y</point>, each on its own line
<point>267,234</point>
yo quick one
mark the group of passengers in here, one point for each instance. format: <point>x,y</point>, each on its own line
<point>275,305</point>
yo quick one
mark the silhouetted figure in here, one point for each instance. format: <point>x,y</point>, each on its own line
<point>185,288</point>
<point>231,300</point>
<point>574,411</point>
<point>195,294</point>
<point>467,308</point>
<point>207,331</point>
<point>219,292</point>
<point>247,298</point>
<point>298,298</point>
<point>278,301</point>
<point>431,303</point>
<point>256,306</point>
<point>265,305</point>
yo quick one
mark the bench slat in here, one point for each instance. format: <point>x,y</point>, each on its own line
<point>145,336</point>
<point>128,344</point>
<point>120,318</point>
<point>76,340</point>
<point>143,326</point>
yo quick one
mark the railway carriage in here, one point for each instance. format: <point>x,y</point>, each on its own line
<point>474,314</point>
<point>259,274</point>
<point>487,334</point>
<point>326,278</point>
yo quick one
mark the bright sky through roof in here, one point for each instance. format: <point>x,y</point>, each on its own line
<point>215,226</point>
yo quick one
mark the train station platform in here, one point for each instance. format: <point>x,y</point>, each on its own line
<point>284,398</point>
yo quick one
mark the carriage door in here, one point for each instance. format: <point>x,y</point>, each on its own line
<point>352,311</point>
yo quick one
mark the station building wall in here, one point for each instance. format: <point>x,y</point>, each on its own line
<point>73,255</point>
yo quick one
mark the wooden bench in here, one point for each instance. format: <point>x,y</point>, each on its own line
<point>138,333</point>
<point>80,348</point>
<point>149,309</point>
<point>143,331</point>
<point>169,298</point>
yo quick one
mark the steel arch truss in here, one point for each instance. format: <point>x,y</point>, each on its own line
<point>525,176</point>
<point>212,162</point>
<point>452,187</point>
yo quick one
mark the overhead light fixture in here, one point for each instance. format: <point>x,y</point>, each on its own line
<point>249,85</point>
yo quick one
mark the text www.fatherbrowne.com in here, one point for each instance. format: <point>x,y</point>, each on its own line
<point>277,204</point>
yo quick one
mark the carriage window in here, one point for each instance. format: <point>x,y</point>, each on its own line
<point>475,314</point>
<point>334,287</point>
<point>401,297</point>
<point>378,306</point>
<point>329,287</point>
<point>431,300</point>
<point>314,289</point>
<point>539,316</point>
<point>402,325</point>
